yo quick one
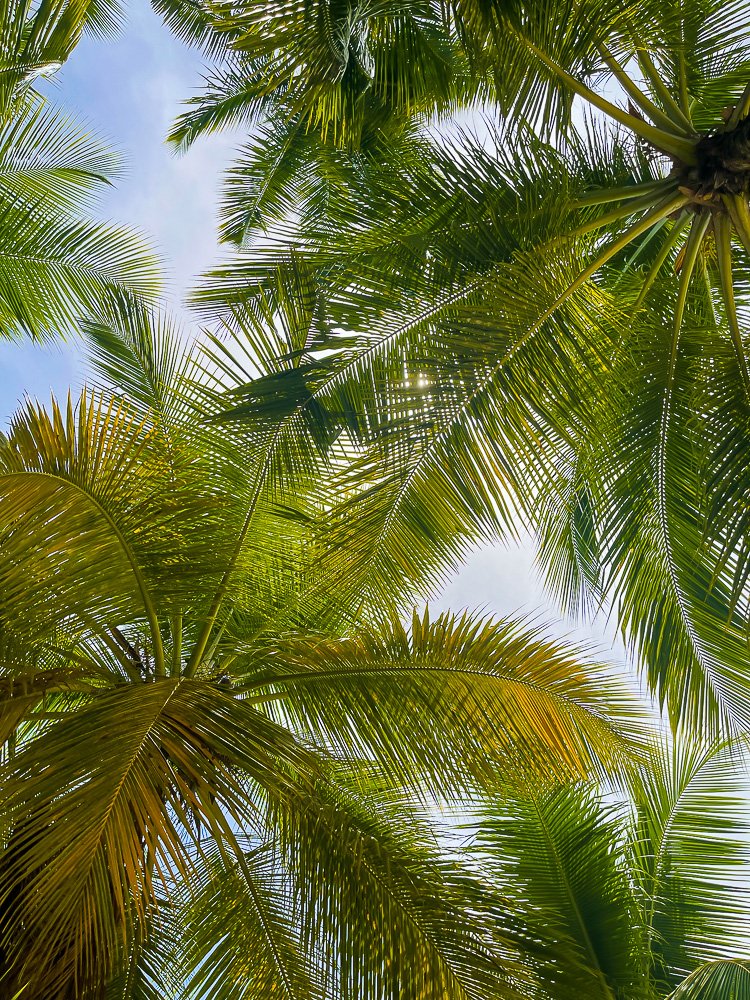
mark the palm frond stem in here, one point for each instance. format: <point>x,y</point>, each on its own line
<point>631,207</point>
<point>669,245</point>
<point>607,195</point>
<point>640,250</point>
<point>657,116</point>
<point>659,212</point>
<point>257,901</point>
<point>667,142</point>
<point>723,233</point>
<point>572,901</point>
<point>698,228</point>
<point>148,604</point>
<point>199,649</point>
<point>741,108</point>
<point>112,645</point>
<point>661,91</point>
<point>683,84</point>
<point>709,291</point>
<point>739,213</point>
<point>176,646</point>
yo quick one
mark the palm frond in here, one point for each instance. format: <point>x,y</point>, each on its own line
<point>54,268</point>
<point>103,804</point>
<point>690,855</point>
<point>365,897</point>
<point>240,928</point>
<point>450,701</point>
<point>35,39</point>
<point>560,854</point>
<point>47,157</point>
<point>715,981</point>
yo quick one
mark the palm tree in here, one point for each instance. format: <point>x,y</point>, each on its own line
<point>543,318</point>
<point>637,898</point>
<point>201,746</point>
<point>56,263</point>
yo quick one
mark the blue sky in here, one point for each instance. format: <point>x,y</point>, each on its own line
<point>129,89</point>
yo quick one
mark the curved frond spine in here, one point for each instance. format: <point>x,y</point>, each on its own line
<point>723,231</point>
<point>669,244</point>
<point>657,116</point>
<point>653,76</point>
<point>660,211</point>
<point>693,248</point>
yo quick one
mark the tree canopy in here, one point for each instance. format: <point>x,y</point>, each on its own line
<point>487,267</point>
<point>515,240</point>
<point>186,710</point>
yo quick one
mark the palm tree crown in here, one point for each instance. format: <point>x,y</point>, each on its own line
<point>187,713</point>
<point>545,317</point>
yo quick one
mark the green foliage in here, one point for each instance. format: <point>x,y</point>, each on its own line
<point>56,264</point>
<point>533,313</point>
<point>635,898</point>
<point>188,716</point>
<point>223,749</point>
<point>716,980</point>
<point>37,38</point>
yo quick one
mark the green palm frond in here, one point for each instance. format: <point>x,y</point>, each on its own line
<point>178,689</point>
<point>56,263</point>
<point>338,900</point>
<point>450,700</point>
<point>229,100</point>
<point>142,355</point>
<point>93,825</point>
<point>59,475</point>
<point>690,854</point>
<point>559,851</point>
<point>46,156</point>
<point>54,268</point>
<point>35,39</point>
<point>366,894</point>
<point>544,321</point>
<point>716,981</point>
<point>635,896</point>
<point>197,23</point>
<point>241,930</point>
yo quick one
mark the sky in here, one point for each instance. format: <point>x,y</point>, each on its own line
<point>129,90</point>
